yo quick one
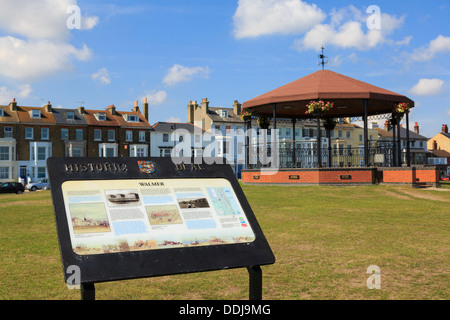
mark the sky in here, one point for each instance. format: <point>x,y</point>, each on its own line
<point>98,53</point>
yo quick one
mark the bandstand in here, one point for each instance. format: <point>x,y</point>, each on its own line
<point>346,98</point>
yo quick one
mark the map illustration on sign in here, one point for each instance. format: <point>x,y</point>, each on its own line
<point>109,216</point>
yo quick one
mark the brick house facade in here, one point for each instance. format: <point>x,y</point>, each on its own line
<point>30,135</point>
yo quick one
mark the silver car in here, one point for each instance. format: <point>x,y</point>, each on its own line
<point>40,184</point>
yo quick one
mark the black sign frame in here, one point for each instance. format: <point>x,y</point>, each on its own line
<point>152,263</point>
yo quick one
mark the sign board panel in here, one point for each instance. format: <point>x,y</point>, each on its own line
<point>125,218</point>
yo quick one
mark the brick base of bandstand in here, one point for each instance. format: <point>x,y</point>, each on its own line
<point>415,176</point>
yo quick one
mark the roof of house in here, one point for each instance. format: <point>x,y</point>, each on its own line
<point>441,153</point>
<point>412,135</point>
<point>167,127</point>
<point>215,117</point>
<point>60,115</point>
<point>25,115</point>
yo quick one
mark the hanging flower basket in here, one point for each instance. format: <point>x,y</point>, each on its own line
<point>401,108</point>
<point>263,122</point>
<point>246,115</point>
<point>318,108</point>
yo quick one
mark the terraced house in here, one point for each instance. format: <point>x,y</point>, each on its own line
<point>30,135</point>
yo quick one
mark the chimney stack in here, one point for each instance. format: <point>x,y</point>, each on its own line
<point>145,108</point>
<point>13,105</point>
<point>48,107</point>
<point>416,128</point>
<point>81,110</point>
<point>205,106</point>
<point>434,145</point>
<point>444,128</point>
<point>136,107</point>
<point>387,125</point>
<point>111,109</point>
<point>237,108</point>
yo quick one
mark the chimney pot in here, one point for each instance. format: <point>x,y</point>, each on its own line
<point>444,128</point>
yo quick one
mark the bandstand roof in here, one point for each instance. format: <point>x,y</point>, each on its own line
<point>348,95</point>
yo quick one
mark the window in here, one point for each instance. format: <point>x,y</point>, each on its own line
<point>79,134</point>
<point>97,134</point>
<point>165,152</point>
<point>41,172</point>
<point>340,134</point>
<point>109,152</point>
<point>70,115</point>
<point>29,133</point>
<point>139,151</point>
<point>2,112</point>
<point>8,132</point>
<point>306,132</point>
<point>101,116</point>
<point>332,134</point>
<point>142,136</point>
<point>180,138</point>
<point>4,153</point>
<point>111,135</point>
<point>129,135</point>
<point>132,118</point>
<point>41,153</point>
<point>223,113</point>
<point>44,133</point>
<point>240,148</point>
<point>297,132</point>
<point>217,129</point>
<point>360,138</point>
<point>226,147</point>
<point>228,129</point>
<point>77,151</point>
<point>64,134</point>
<point>198,138</point>
<point>348,134</point>
<point>35,113</point>
<point>4,173</point>
<point>288,132</point>
<point>165,137</point>
<point>349,150</point>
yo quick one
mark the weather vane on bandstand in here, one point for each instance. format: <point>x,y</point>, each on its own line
<point>323,60</point>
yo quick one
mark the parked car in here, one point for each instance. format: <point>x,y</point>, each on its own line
<point>445,178</point>
<point>40,184</point>
<point>11,187</point>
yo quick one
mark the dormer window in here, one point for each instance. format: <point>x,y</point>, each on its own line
<point>132,118</point>
<point>70,115</point>
<point>101,116</point>
<point>223,113</point>
<point>36,114</point>
<point>2,112</point>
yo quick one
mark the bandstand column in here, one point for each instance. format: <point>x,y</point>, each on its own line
<point>366,139</point>
<point>394,141</point>
<point>408,148</point>
<point>294,162</point>
<point>273,137</point>
<point>319,144</point>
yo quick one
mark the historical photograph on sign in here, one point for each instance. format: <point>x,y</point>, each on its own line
<point>158,215</point>
<point>89,218</point>
<point>193,203</point>
<point>122,198</point>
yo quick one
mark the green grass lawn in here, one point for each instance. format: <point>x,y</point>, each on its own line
<point>323,238</point>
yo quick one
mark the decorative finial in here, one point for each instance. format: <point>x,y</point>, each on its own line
<point>323,58</point>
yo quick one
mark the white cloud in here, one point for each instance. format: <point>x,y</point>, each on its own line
<point>37,40</point>
<point>348,29</point>
<point>254,18</point>
<point>439,45</point>
<point>179,73</point>
<point>22,91</point>
<point>427,87</point>
<point>29,60</point>
<point>102,76</point>
<point>155,97</point>
<point>448,112</point>
<point>173,119</point>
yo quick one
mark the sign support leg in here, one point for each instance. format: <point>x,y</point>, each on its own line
<point>88,291</point>
<point>255,282</point>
